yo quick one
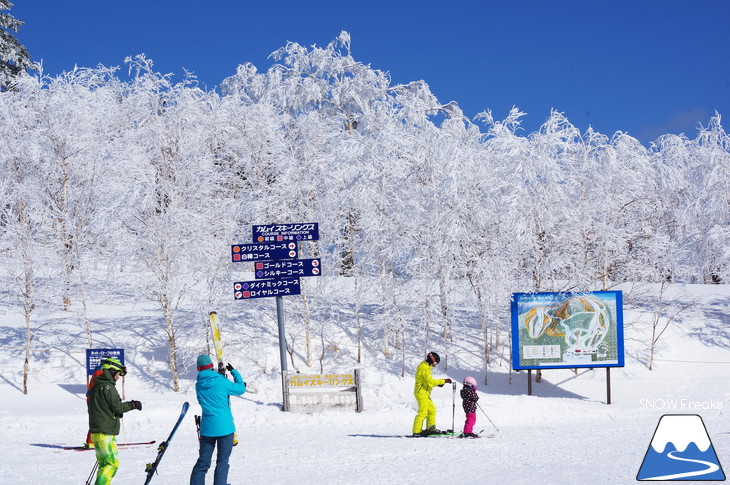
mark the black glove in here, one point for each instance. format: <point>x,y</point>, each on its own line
<point>448,381</point>
<point>229,367</point>
<point>137,405</point>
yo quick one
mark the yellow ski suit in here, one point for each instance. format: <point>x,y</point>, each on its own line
<point>422,392</point>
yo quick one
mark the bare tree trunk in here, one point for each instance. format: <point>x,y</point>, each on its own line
<point>68,270</point>
<point>358,323</point>
<point>26,363</point>
<point>28,301</point>
<point>28,282</point>
<point>656,332</point>
<point>443,301</point>
<point>321,357</point>
<point>487,349</point>
<point>483,321</point>
<point>385,322</point>
<point>82,284</point>
<point>290,351</point>
<point>307,326</point>
<point>172,345</point>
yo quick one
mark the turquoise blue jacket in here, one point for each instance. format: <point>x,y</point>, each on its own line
<point>213,391</point>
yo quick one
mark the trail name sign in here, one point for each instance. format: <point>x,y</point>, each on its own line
<point>246,290</point>
<point>310,393</point>
<point>263,251</point>
<point>277,270</point>
<point>293,268</point>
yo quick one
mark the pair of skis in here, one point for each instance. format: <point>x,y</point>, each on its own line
<point>452,434</point>
<point>119,445</point>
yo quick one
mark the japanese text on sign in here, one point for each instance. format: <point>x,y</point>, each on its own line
<point>321,380</point>
<point>244,290</point>
<point>286,232</point>
<point>264,251</point>
<point>95,356</point>
<point>287,269</point>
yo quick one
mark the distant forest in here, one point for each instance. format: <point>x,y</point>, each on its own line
<point>102,174</point>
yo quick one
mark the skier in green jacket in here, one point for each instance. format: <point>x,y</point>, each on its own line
<point>422,391</point>
<point>105,408</point>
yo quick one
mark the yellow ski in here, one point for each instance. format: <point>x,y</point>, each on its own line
<point>215,330</point>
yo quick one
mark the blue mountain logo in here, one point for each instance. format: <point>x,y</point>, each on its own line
<point>681,450</point>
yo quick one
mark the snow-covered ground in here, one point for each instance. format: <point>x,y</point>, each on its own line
<point>564,434</point>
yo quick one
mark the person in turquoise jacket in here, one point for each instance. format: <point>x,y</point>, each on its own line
<point>213,391</point>
<point>422,392</point>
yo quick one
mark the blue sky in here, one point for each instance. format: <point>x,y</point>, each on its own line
<point>646,67</point>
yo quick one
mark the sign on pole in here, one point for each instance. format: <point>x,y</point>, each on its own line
<point>293,268</point>
<point>285,232</point>
<point>95,356</point>
<point>263,251</point>
<point>246,290</point>
<point>277,270</point>
<point>567,330</point>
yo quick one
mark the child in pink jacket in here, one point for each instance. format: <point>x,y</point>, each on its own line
<point>469,400</point>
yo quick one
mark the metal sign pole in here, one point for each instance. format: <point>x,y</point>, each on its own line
<point>282,350</point>
<point>282,335</point>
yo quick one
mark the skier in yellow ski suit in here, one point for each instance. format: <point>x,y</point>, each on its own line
<point>422,391</point>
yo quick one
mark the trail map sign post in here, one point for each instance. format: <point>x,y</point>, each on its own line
<point>567,330</point>
<point>277,269</point>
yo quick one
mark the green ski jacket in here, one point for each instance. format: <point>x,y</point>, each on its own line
<point>105,406</point>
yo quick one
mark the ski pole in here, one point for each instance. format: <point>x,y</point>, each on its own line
<point>480,408</point>
<point>88,480</point>
<point>453,406</point>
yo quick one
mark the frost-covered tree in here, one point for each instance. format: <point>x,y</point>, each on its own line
<point>24,221</point>
<point>706,220</point>
<point>14,57</point>
<point>418,208</point>
<point>166,217</point>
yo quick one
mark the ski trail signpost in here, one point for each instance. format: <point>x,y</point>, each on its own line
<point>277,269</point>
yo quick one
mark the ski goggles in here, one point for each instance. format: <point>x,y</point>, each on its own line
<point>122,370</point>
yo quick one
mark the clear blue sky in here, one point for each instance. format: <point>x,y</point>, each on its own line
<point>645,67</point>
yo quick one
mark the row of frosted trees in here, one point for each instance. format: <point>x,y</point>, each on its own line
<point>147,173</point>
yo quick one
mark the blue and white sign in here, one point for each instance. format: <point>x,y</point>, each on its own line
<point>308,231</point>
<point>263,251</point>
<point>293,268</point>
<point>246,290</point>
<point>95,356</point>
<point>556,330</point>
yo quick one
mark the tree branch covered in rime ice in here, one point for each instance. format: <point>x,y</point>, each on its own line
<point>419,207</point>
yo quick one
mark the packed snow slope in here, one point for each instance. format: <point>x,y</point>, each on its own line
<point>565,433</point>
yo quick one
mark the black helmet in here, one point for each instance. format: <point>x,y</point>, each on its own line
<point>433,358</point>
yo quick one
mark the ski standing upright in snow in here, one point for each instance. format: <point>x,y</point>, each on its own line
<point>151,468</point>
